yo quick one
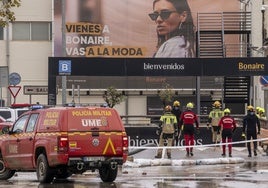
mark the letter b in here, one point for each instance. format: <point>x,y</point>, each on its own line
<point>65,66</point>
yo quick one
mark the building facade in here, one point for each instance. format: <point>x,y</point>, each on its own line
<point>36,35</point>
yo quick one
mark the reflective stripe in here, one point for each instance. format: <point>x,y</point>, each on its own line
<point>168,119</point>
<point>78,133</point>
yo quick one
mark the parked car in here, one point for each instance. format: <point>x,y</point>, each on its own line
<point>2,119</point>
<point>13,112</point>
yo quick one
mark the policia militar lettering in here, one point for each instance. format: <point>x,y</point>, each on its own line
<point>167,130</point>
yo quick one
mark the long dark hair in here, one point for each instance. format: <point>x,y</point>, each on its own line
<point>185,29</point>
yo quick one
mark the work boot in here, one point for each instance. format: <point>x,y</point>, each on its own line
<point>169,156</point>
<point>255,153</point>
<point>223,155</point>
<point>249,155</point>
<point>230,155</point>
<point>191,152</point>
<point>187,154</point>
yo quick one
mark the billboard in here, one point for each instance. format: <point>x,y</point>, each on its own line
<point>131,29</point>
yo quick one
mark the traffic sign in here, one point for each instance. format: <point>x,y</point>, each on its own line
<point>65,67</point>
<point>264,80</point>
<point>14,90</point>
<point>35,90</point>
<point>3,76</point>
<point>14,78</point>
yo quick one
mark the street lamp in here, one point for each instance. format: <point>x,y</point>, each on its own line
<point>260,50</point>
<point>263,8</point>
<point>244,1</point>
<point>264,48</point>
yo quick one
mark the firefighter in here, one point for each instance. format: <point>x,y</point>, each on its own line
<point>257,111</point>
<point>168,127</point>
<point>262,113</point>
<point>251,127</point>
<point>187,120</point>
<point>177,112</point>
<point>228,125</point>
<point>213,120</point>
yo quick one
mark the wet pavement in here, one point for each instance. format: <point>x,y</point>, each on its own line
<point>251,172</point>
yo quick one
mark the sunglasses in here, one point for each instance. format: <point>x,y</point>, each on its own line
<point>163,15</point>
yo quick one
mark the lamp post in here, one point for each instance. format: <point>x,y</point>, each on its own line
<point>263,50</point>
<point>263,8</point>
<point>63,78</point>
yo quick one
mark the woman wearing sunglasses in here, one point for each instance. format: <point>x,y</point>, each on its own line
<point>174,27</point>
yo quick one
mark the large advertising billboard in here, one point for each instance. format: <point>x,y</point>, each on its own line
<point>131,28</point>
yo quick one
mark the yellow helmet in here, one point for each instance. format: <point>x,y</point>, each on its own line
<point>190,105</point>
<point>217,104</point>
<point>261,110</point>
<point>227,111</point>
<point>176,103</point>
<point>250,108</point>
<point>168,108</point>
<point>258,108</point>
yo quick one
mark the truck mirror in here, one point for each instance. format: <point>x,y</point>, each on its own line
<point>5,130</point>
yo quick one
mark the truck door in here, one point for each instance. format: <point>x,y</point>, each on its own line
<point>26,145</point>
<point>13,152</point>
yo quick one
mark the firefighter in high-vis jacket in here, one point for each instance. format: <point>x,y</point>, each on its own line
<point>213,119</point>
<point>177,112</point>
<point>168,129</point>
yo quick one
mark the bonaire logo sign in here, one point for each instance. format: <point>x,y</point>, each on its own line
<point>251,66</point>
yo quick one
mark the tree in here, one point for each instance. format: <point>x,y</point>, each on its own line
<point>166,94</point>
<point>6,14</point>
<point>113,97</point>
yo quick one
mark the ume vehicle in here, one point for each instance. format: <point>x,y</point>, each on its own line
<point>57,142</point>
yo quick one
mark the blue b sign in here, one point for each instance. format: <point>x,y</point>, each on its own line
<point>65,67</point>
<point>264,80</point>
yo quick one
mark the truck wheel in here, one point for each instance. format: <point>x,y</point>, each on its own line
<point>5,173</point>
<point>43,171</point>
<point>108,174</point>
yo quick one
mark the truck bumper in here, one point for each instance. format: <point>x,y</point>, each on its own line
<point>91,163</point>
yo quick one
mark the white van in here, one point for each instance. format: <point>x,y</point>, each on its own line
<point>11,114</point>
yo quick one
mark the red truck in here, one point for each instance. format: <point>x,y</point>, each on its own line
<point>57,142</point>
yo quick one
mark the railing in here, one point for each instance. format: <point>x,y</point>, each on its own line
<point>237,21</point>
<point>237,50</point>
<point>151,120</point>
<point>140,120</point>
<point>210,21</point>
<point>212,30</point>
<point>227,21</point>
